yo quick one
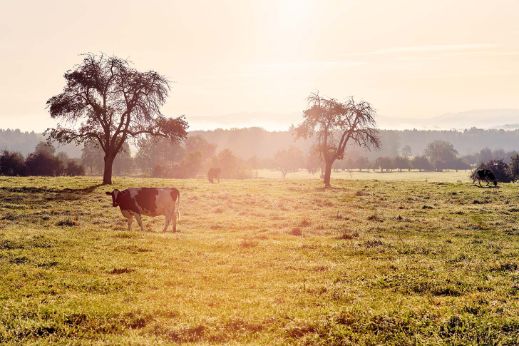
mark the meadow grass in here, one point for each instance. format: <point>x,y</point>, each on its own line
<point>447,176</point>
<point>261,261</point>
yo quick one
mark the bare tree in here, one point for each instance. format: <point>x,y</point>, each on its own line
<point>335,124</point>
<point>108,101</point>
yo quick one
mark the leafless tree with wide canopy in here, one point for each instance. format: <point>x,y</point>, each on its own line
<point>106,100</point>
<point>335,124</point>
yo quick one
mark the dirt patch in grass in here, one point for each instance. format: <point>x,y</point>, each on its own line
<point>305,223</point>
<point>19,260</point>
<point>296,231</point>
<point>67,223</point>
<point>506,267</point>
<point>118,271</point>
<point>373,243</point>
<point>375,218</point>
<point>347,235</point>
<point>187,334</point>
<point>248,243</point>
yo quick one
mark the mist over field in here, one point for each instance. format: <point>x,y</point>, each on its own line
<point>249,142</point>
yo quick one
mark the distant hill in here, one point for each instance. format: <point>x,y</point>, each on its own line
<point>488,118</point>
<point>25,142</point>
<point>483,118</point>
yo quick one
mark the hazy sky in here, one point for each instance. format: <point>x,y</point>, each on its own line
<point>238,62</point>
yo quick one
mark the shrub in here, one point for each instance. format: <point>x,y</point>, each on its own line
<point>43,164</point>
<point>74,169</point>
<point>11,164</point>
<point>500,168</point>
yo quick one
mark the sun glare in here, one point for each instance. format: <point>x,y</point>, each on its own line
<point>293,13</point>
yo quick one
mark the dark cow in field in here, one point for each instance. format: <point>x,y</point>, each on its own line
<point>135,202</point>
<point>214,174</point>
<point>485,175</point>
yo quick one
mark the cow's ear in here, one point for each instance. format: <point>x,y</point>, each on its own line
<point>108,193</point>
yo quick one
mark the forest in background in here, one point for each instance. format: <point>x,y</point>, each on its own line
<point>250,142</point>
<point>256,142</point>
<point>239,152</point>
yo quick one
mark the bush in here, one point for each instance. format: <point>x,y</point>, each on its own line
<point>11,164</point>
<point>500,168</point>
<point>74,168</point>
<point>43,164</point>
<point>421,163</point>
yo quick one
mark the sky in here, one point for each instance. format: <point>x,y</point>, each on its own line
<point>235,63</point>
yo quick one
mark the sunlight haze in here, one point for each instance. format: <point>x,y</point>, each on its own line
<point>253,63</point>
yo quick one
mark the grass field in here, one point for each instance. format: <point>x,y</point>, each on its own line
<point>261,262</point>
<point>446,176</point>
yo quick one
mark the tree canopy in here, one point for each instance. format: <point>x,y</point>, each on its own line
<point>334,124</point>
<point>106,100</point>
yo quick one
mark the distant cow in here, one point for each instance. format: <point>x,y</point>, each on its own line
<point>485,175</point>
<point>149,202</point>
<point>214,174</point>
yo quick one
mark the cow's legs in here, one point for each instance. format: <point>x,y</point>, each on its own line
<point>174,217</point>
<point>174,221</point>
<point>166,222</point>
<point>129,218</point>
<point>130,221</point>
<point>139,221</point>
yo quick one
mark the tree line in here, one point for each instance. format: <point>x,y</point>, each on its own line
<point>437,156</point>
<point>157,157</point>
<point>162,158</point>
<point>43,161</point>
<point>257,142</point>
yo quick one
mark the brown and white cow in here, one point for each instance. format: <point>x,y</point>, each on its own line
<point>147,201</point>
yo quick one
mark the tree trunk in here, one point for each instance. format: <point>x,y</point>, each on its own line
<point>107,173</point>
<point>327,173</point>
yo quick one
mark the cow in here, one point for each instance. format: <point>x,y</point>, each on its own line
<point>485,175</point>
<point>134,202</point>
<point>214,174</point>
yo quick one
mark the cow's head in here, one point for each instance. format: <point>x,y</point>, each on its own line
<point>114,194</point>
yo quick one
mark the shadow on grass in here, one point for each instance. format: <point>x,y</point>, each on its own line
<point>487,186</point>
<point>82,191</point>
<point>330,188</point>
